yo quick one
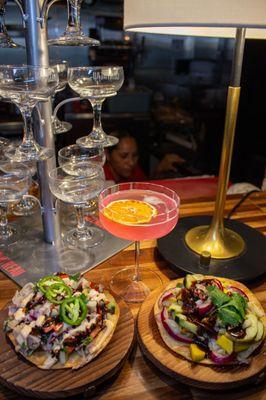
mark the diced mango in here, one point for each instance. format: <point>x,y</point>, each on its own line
<point>226,344</point>
<point>196,353</point>
<point>240,346</point>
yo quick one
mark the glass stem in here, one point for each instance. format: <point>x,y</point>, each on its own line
<point>73,9</point>
<point>137,252</point>
<point>4,229</point>
<point>28,125</point>
<point>81,223</point>
<point>97,121</point>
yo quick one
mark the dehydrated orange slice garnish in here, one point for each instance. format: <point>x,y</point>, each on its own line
<point>130,212</point>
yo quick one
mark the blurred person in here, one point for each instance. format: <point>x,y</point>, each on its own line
<point>122,161</point>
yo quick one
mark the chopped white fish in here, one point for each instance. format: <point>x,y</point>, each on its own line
<point>81,328</point>
<point>49,362</point>
<point>40,320</point>
<point>19,315</point>
<point>25,294</point>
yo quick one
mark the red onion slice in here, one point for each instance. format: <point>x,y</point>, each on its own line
<point>221,359</point>
<point>165,296</point>
<point>205,307</point>
<point>237,290</point>
<point>178,337</point>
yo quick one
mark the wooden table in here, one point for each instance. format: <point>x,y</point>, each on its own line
<point>138,379</point>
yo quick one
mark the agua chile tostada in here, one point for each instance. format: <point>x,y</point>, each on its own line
<point>210,320</point>
<point>63,321</point>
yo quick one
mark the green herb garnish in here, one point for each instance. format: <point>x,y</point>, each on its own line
<point>218,297</point>
<point>87,341</point>
<point>84,298</point>
<point>75,277</point>
<point>231,310</point>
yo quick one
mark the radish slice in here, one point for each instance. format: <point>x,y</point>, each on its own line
<point>165,296</point>
<point>237,290</point>
<point>178,337</point>
<point>205,307</point>
<point>221,359</point>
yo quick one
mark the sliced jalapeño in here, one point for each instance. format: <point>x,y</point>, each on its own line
<point>58,292</point>
<point>73,310</point>
<point>44,283</point>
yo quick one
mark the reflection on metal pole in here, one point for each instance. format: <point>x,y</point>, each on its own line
<point>37,54</point>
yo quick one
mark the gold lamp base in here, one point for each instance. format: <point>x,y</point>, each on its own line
<point>226,244</point>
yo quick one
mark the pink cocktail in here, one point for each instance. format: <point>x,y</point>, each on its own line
<point>133,284</point>
<point>161,224</point>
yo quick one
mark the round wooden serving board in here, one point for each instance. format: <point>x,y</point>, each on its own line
<point>18,374</point>
<point>207,377</point>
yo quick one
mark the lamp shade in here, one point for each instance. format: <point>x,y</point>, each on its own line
<point>213,18</point>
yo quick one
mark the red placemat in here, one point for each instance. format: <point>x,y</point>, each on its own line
<point>191,188</point>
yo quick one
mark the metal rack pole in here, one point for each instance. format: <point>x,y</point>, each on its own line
<point>37,54</point>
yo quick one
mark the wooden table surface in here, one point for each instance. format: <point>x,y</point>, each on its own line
<point>138,379</point>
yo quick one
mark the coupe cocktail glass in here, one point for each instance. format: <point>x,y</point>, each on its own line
<point>85,182</point>
<point>134,283</point>
<point>14,184</point>
<point>68,157</point>
<point>26,86</point>
<point>73,154</point>
<point>95,84</point>
<point>73,35</point>
<point>60,126</point>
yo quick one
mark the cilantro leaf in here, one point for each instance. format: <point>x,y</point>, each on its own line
<point>218,297</point>
<point>229,316</point>
<point>239,303</point>
<point>75,277</point>
<point>231,310</point>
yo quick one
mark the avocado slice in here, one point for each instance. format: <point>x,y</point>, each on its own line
<point>186,324</point>
<point>251,326</point>
<point>175,308</point>
<point>190,279</point>
<point>260,332</point>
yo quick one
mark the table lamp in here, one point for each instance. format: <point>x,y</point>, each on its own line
<point>210,241</point>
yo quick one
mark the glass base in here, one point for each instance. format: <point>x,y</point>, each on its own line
<point>26,207</point>
<point>31,152</point>
<point>12,235</point>
<point>90,142</point>
<point>73,40</point>
<point>64,259</point>
<point>125,285</point>
<point>61,126</point>
<point>91,237</point>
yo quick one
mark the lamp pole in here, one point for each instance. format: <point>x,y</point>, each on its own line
<point>216,240</point>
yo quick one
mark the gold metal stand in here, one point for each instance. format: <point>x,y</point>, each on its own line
<point>219,241</point>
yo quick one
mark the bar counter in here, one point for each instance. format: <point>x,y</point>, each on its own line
<point>138,379</point>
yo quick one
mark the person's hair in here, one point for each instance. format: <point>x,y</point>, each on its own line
<point>119,134</point>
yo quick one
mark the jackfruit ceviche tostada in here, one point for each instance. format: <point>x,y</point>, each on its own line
<point>210,320</point>
<point>62,321</point>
